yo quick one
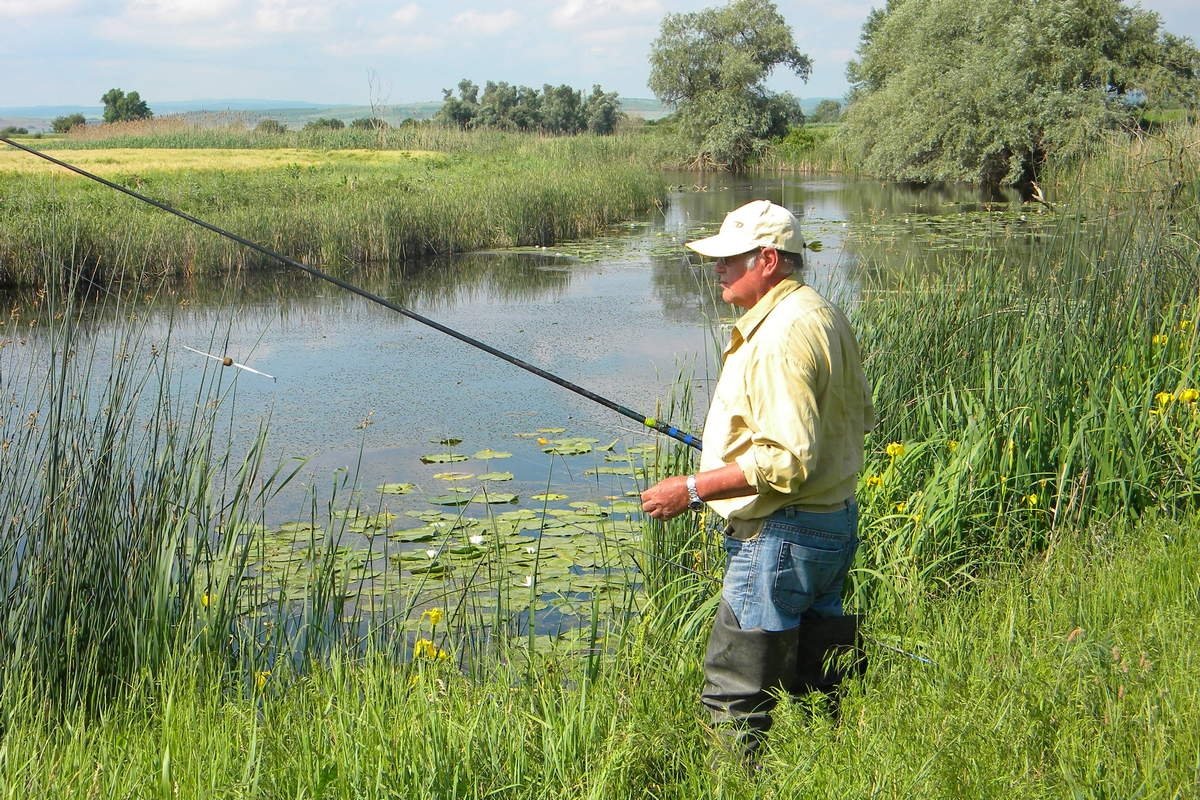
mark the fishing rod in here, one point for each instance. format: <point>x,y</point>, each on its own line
<point>641,419</point>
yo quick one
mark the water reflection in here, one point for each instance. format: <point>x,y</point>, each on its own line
<point>362,388</point>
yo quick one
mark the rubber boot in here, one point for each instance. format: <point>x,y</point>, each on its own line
<point>743,671</point>
<point>828,650</point>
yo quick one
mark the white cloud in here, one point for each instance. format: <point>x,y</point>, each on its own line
<point>290,16</point>
<point>407,15</point>
<point>575,13</point>
<point>176,12</point>
<point>624,35</point>
<point>33,8</point>
<point>486,24</point>
<point>391,44</point>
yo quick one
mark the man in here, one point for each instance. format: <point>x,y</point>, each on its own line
<point>783,445</point>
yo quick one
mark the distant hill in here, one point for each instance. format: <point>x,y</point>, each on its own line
<point>293,113</point>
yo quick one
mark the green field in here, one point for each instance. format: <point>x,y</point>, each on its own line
<point>1029,565</point>
<point>325,197</point>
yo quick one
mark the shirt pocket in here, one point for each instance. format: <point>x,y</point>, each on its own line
<point>804,572</point>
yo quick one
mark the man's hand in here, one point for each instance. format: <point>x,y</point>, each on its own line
<point>666,499</point>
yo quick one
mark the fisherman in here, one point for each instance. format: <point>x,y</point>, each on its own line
<point>783,445</point>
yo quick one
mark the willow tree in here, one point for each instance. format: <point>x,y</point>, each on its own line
<point>986,90</point>
<point>121,107</point>
<point>712,66</point>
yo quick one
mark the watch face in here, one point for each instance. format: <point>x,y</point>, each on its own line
<point>696,505</point>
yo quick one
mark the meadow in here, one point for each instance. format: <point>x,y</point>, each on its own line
<point>1028,567</point>
<point>325,197</point>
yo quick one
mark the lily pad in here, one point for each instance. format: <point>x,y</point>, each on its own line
<point>519,514</point>
<point>456,499</point>
<point>448,442</point>
<point>495,476</point>
<point>396,488</point>
<point>486,454</point>
<point>495,498</point>
<point>547,497</point>
<point>453,476</point>
<point>570,446</point>
<point>442,458</point>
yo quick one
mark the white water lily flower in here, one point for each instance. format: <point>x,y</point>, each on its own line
<point>531,550</point>
<point>476,540</point>
<point>431,553</point>
<point>528,581</point>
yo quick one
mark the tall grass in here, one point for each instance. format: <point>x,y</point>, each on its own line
<point>809,148</point>
<point>1019,399</point>
<point>497,193</point>
<point>1067,677</point>
<point>115,490</point>
<point>1028,636</point>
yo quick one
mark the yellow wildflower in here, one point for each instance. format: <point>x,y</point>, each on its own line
<point>425,648</point>
<point>205,599</point>
<point>952,445</point>
<point>1031,500</point>
<point>260,678</point>
<point>895,449</point>
<point>1163,399</point>
<point>1160,339</point>
<point>874,481</point>
<point>1189,395</point>
<point>901,506</point>
<point>434,615</point>
<point>1183,325</point>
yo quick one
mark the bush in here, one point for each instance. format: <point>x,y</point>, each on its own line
<point>270,127</point>
<point>324,124</point>
<point>66,123</point>
<point>369,124</point>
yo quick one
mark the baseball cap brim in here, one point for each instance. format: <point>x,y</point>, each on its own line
<point>722,245</point>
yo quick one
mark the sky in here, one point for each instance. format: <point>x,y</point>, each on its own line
<point>359,52</point>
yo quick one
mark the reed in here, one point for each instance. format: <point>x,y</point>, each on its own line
<point>1068,676</point>
<point>333,210</point>
<point>1021,400</point>
<point>1028,561</point>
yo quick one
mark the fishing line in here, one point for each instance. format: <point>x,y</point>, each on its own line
<point>642,419</point>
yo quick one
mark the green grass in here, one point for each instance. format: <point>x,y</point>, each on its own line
<point>1072,676</point>
<point>1028,568</point>
<point>484,191</point>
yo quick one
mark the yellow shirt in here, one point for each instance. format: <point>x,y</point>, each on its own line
<point>791,407</point>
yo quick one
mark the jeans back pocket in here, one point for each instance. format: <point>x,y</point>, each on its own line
<point>806,571</point>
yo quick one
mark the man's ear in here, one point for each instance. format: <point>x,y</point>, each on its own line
<point>771,263</point>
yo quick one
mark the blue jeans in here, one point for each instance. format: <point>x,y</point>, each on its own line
<point>797,563</point>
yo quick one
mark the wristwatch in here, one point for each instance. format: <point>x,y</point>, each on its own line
<point>694,501</point>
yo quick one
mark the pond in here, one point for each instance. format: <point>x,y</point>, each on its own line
<point>433,439</point>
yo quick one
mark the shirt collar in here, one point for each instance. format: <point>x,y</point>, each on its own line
<point>744,328</point>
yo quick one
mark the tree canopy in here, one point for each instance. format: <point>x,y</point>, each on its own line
<point>986,90</point>
<point>121,107</point>
<point>555,109</point>
<point>67,122</point>
<point>712,65</point>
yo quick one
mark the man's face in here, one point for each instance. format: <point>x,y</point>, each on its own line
<point>741,280</point>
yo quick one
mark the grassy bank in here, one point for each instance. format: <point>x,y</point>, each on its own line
<point>1028,568</point>
<point>427,191</point>
<point>1074,675</point>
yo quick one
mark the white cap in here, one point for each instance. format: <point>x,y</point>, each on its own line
<point>759,223</point>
